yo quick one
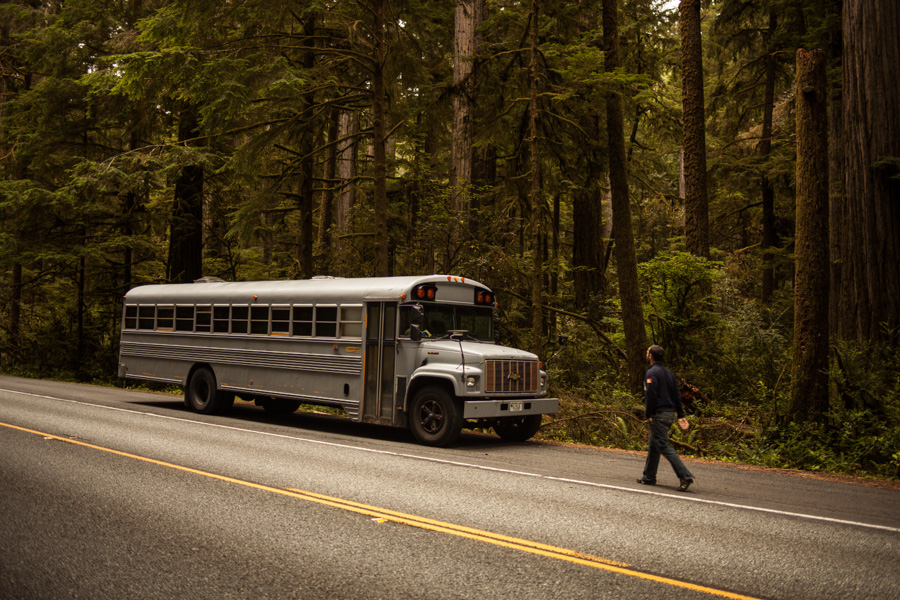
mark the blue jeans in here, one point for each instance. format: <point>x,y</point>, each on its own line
<point>659,445</point>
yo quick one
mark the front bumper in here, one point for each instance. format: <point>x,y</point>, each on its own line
<point>492,409</point>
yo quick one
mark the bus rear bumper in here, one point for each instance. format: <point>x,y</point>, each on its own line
<point>514,407</point>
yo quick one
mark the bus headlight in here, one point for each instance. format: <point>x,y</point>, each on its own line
<point>471,382</point>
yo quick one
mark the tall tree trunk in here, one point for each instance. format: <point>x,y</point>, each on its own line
<point>326,205</point>
<point>587,250</point>
<point>537,288</point>
<point>809,379</point>
<point>348,150</point>
<point>839,300</point>
<point>629,290</point>
<point>554,262</point>
<point>769,236</point>
<point>186,227</point>
<point>382,234</point>
<point>80,283</point>
<point>870,248</point>
<point>469,14</point>
<point>15,310</point>
<point>484,177</point>
<point>307,142</point>
<point>696,210</point>
<point>129,210</point>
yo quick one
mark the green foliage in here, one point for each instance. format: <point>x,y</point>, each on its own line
<point>855,443</point>
<point>680,307</point>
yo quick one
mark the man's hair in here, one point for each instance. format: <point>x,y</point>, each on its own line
<point>657,352</point>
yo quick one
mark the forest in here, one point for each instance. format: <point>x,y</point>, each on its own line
<point>720,177</point>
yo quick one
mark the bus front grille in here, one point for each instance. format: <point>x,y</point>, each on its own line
<point>511,376</point>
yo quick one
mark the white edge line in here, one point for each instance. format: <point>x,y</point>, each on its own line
<point>479,467</point>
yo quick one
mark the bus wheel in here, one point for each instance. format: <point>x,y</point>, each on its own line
<point>202,396</point>
<point>278,407</point>
<point>435,418</point>
<point>518,429</point>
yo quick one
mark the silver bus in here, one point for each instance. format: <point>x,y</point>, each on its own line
<point>416,352</point>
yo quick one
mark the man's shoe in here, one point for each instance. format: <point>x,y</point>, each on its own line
<point>685,484</point>
<point>645,482</point>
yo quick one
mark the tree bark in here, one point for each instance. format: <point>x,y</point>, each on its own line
<point>382,234</point>
<point>839,299</point>
<point>305,197</point>
<point>469,14</point>
<point>869,252</point>
<point>809,378</point>
<point>15,310</point>
<point>185,262</point>
<point>129,210</point>
<point>769,236</point>
<point>587,251</point>
<point>537,291</point>
<point>696,211</point>
<point>326,204</point>
<point>347,150</point>
<point>629,290</point>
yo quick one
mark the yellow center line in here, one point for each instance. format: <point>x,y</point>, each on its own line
<point>496,539</point>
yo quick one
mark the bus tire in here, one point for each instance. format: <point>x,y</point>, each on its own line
<point>518,429</point>
<point>435,418</point>
<point>202,396</point>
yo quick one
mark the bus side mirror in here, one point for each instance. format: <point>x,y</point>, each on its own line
<point>416,317</point>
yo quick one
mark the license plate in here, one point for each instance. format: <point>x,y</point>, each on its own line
<point>516,406</point>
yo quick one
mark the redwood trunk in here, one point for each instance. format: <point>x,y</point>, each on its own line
<point>186,226</point>
<point>469,14</point>
<point>536,203</point>
<point>809,379</point>
<point>382,236</point>
<point>869,251</point>
<point>696,212</point>
<point>629,291</point>
<point>769,237</point>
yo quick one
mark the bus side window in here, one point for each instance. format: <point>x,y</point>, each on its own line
<point>239,317</point>
<point>220,319</point>
<point>204,318</point>
<point>165,317</point>
<point>131,317</point>
<point>184,318</point>
<point>351,322</point>
<point>146,317</point>
<point>259,320</point>
<point>326,321</point>
<point>281,320</point>
<point>303,321</point>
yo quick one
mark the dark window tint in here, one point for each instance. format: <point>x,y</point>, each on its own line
<point>239,318</point>
<point>259,320</point>
<point>184,318</point>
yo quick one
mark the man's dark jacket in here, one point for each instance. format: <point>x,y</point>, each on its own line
<point>661,391</point>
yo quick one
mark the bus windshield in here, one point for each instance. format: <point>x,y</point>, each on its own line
<point>441,318</point>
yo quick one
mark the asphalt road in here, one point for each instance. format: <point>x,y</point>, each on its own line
<point>106,493</point>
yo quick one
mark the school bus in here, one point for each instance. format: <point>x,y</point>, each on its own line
<point>416,352</point>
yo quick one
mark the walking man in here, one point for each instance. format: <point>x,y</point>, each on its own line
<point>662,403</point>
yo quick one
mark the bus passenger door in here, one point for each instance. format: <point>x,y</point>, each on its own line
<point>381,350</point>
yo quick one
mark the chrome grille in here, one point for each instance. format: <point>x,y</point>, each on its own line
<point>511,376</point>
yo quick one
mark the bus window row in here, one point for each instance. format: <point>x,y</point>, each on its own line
<point>299,321</point>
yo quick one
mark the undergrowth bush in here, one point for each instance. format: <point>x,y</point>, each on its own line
<point>737,409</point>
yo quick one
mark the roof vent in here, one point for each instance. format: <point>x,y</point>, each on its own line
<point>209,279</point>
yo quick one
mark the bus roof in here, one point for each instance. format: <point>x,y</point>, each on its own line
<point>325,290</point>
